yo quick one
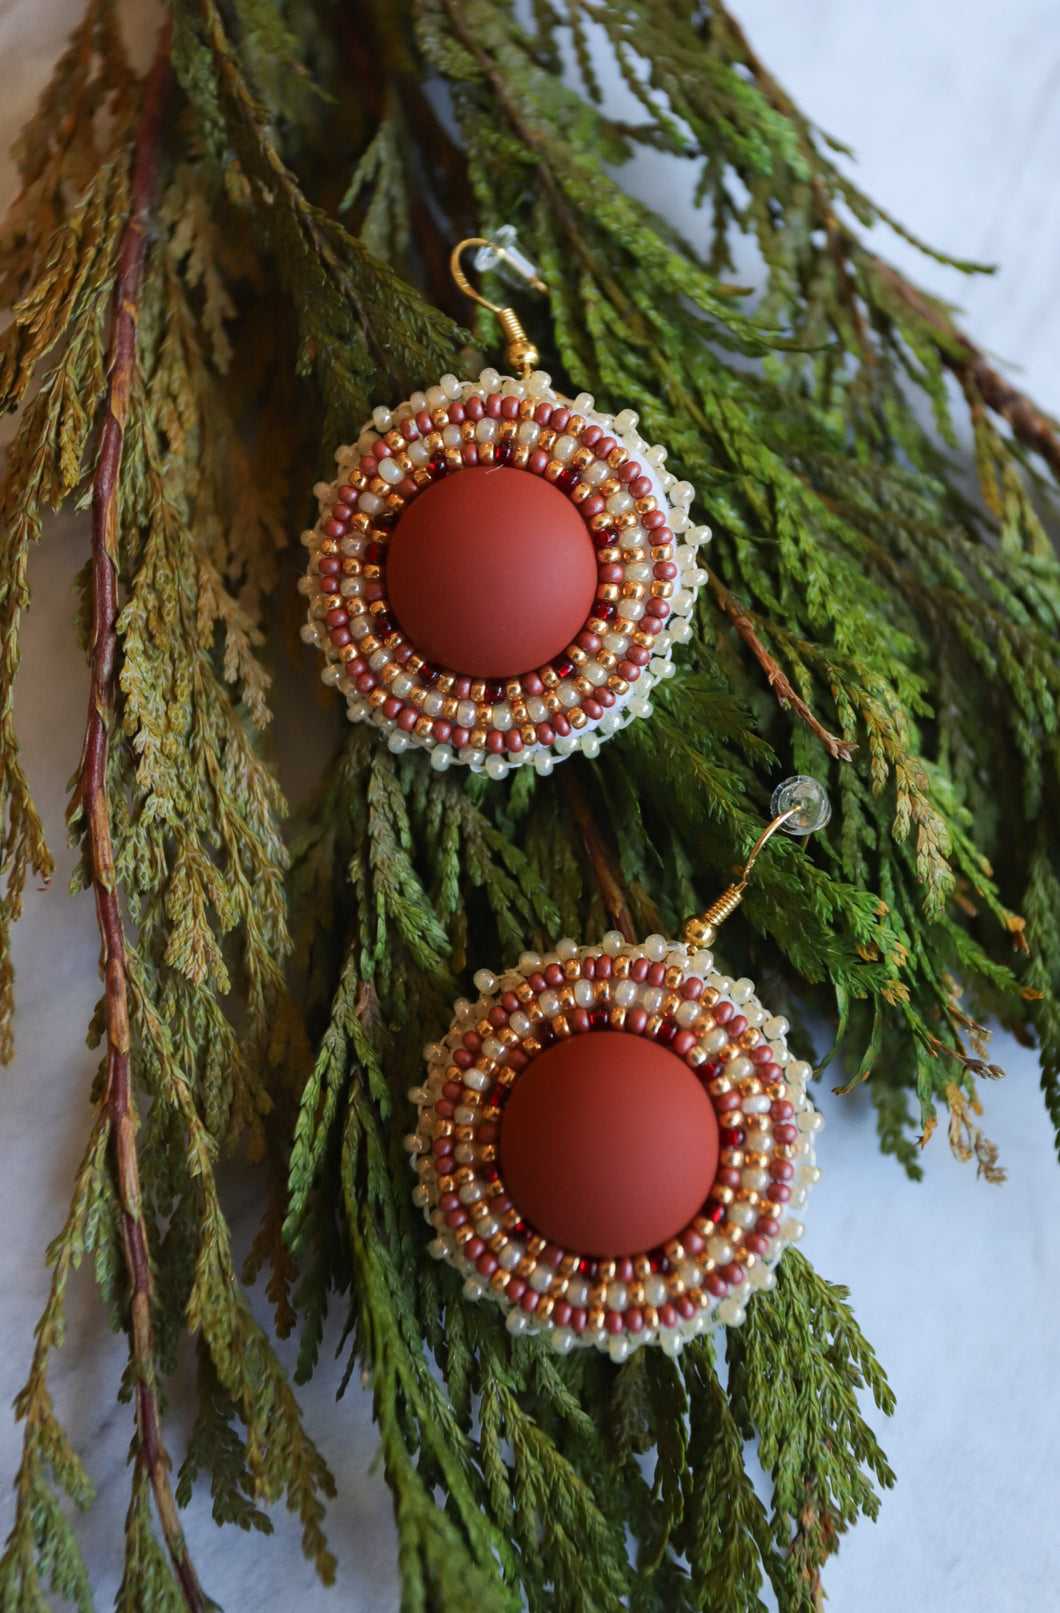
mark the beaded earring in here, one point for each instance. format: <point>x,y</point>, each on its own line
<point>612,1139</point>
<point>498,574</point>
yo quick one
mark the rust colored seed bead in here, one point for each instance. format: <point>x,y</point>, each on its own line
<point>608,1145</point>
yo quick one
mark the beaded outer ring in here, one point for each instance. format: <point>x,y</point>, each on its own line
<point>647,574</point>
<point>659,989</point>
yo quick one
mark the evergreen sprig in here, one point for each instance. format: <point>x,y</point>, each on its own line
<point>270,985</point>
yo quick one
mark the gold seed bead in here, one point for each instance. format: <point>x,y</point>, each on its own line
<point>546,439</point>
<point>582,458</point>
<point>421,476</point>
<point>526,408</point>
<point>619,685</point>
<point>607,660</point>
<point>674,1251</point>
<point>580,494</point>
<point>462,1234</point>
<point>609,487</point>
<point>520,456</point>
<point>621,966</point>
<point>348,652</point>
<point>617,1018</point>
<point>378,486</point>
<point>377,697</point>
<point>661,551</point>
<point>477,740</point>
<point>625,521</point>
<point>583,686</point>
<point>724,1195</point>
<point>351,568</point>
<point>597,523</point>
<point>554,469</point>
<point>751,1037</point>
<point>549,677</point>
<point>500,1280</point>
<point>575,425</point>
<point>450,707</point>
<point>577,654</point>
<point>609,557</point>
<point>662,590</point>
<point>617,458</point>
<point>610,591</point>
<point>526,1266</point>
<point>440,417</point>
<point>424,727</point>
<point>673,977</point>
<point>644,506</point>
<point>528,733</point>
<point>561,1026</point>
<point>467,431</point>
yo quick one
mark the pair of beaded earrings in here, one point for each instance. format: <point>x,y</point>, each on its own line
<point>611,1139</point>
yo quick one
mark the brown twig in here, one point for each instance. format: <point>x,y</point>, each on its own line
<point>603,861</point>
<point>842,749</point>
<point>91,798</point>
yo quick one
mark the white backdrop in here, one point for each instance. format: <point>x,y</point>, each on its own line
<point>951,107</point>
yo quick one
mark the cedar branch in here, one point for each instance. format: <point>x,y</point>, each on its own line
<point>601,858</point>
<point>972,370</point>
<point>91,798</point>
<point>841,749</point>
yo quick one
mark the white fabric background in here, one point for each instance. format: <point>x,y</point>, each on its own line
<point>951,106</point>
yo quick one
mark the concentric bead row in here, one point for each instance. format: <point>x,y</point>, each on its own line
<point>766,1164</point>
<point>647,575</point>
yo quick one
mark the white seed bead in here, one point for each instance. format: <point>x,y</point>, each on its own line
<point>671,1341</point>
<point>517,1322</point>
<point>590,746</point>
<point>656,947</point>
<point>540,1279</point>
<point>419,453</point>
<point>561,1340</point>
<point>616,1297</point>
<point>496,767</point>
<point>743,1215</point>
<point>382,419</point>
<point>584,993</point>
<point>791,1231</point>
<point>470,1192</point>
<point>619,503</point>
<point>810,1120</point>
<point>539,383</point>
<point>741,990</point>
<point>732,1313</point>
<point>436,398</point>
<point>437,1249</point>
<point>509,1257</point>
<point>398,742</point>
<point>755,1179</point>
<point>716,1039</point>
<point>529,963</point>
<point>584,402</point>
<point>598,471</point>
<point>762,1278</point>
<point>652,998</point>
<point>450,386</point>
<point>520,1023</point>
<point>578,1291</point>
<point>391,472</point>
<point>689,1273</point>
<point>655,1291</point>
<point>473,1289</point>
<point>613,943</point>
<point>776,1027</point>
<point>798,1071</point>
<point>543,764</point>
<point>618,1347</point>
<point>719,1249</point>
<point>485,981</point>
<point>755,1106</point>
<point>477,1080</point>
<point>490,379</point>
<point>549,1003</point>
<point>566,949</point>
<point>625,993</point>
<point>486,429</point>
<point>626,421</point>
<point>527,433</point>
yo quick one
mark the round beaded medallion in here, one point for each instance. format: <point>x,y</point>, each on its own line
<point>499,575</point>
<point>612,1143</point>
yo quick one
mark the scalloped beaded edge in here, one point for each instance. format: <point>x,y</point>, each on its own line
<point>659,989</point>
<point>604,679</point>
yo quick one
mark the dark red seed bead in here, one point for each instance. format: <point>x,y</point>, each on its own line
<point>537,461</point>
<point>627,670</point>
<point>591,436</point>
<point>497,1016</point>
<point>629,472</point>
<point>442,730</point>
<point>456,1218</point>
<point>487,1264</point>
<point>588,641</point>
<point>532,684</point>
<point>605,446</point>
<point>509,408</point>
<point>656,974</point>
<point>685,1306</point>
<point>459,737</point>
<point>636,1019</point>
<point>634,1320</point>
<point>514,740</point>
<point>424,421</point>
<point>781,1109</point>
<point>665,570</point>
<point>589,968</point>
<point>723,1013</point>
<point>561,723</point>
<point>436,465</point>
<point>667,1315</point>
<point>567,480</point>
<point>592,710</point>
<point>329,564</point>
<point>658,608</point>
<point>408,429</point>
<point>780,1193</point>
<point>559,419</point>
<point>462,1058</point>
<point>692,989</point>
<point>473,1248</point>
<point>516,1289</point>
<point>737,1026</point>
<point>733,1137</point>
<point>330,585</point>
<point>715,1285</point>
<point>444,1108</point>
<point>605,539</point>
<point>554,975</point>
<point>488,1133</point>
<point>537,982</point>
<point>785,1134</point>
<point>767,1226</point>
<point>493,405</point>
<point>639,970</point>
<point>449,1201</point>
<point>653,520</point>
<point>457,414</point>
<point>624,1270</point>
<point>715,1213</point>
<point>469,453</point>
<point>461,688</point>
<point>543,414</point>
<point>782,1170</point>
<point>562,666</point>
<point>683,1043</point>
<point>546,734</point>
<point>474,408</point>
<point>603,967</point>
<point>442,1146</point>
<point>755,1244</point>
<point>611,573</point>
<point>562,1313</point>
<point>347,494</point>
<point>336,617</point>
<point>472,1041</point>
<point>579,1319</point>
<point>727,1177</point>
<point>408,718</point>
<point>641,488</point>
<point>495,741</point>
<point>511,1002</point>
<point>369,466</point>
<point>613,1321</point>
<point>694,1243</point>
<point>383,450</point>
<point>529,1301</point>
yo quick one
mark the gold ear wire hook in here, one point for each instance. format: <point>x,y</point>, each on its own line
<point>522,354</point>
<point>699,932</point>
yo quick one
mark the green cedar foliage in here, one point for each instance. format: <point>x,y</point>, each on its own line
<point>316,165</point>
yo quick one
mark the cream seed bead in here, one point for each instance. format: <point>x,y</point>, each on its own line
<point>584,993</point>
<point>625,993</point>
<point>762,1278</point>
<point>391,471</point>
<point>755,1180</point>
<point>732,1313</point>
<point>719,1249</point>
<point>776,1027</point>
<point>529,963</point>
<point>701,963</point>
<point>742,989</point>
<point>613,943</point>
<point>596,472</point>
<point>486,429</point>
<point>543,764</point>
<point>791,1230</point>
<point>638,571</point>
<point>631,609</point>
<point>590,746</point>
<point>517,1322</point>
<point>539,383</point>
<point>652,998</point>
<point>370,503</point>
<point>810,1120</point>
<point>436,398</point>
<point>626,421</point>
<point>743,1215</point>
<point>616,1296</point>
<point>382,418</point>
<point>490,379</point>
<point>437,1249</point>
<point>509,1257</point>
<point>419,453</point>
<point>452,436</point>
<point>540,1279</point>
<point>451,386</point>
<point>715,1040</point>
<point>798,1071</point>
<point>549,1001</point>
<point>398,742</point>
<point>465,1117</point>
<point>528,433</point>
<point>671,1342</point>
<point>618,1347</point>
<point>470,1192</point>
<point>584,403</point>
<point>441,758</point>
<point>485,981</point>
<point>656,947</point>
<point>655,1291</point>
<point>477,1080</point>
<point>687,1014</point>
<point>618,503</point>
<point>561,1340</point>
<point>564,447</point>
<point>689,1273</point>
<point>473,1289</point>
<point>488,1226</point>
<point>739,1069</point>
<point>578,1291</point>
